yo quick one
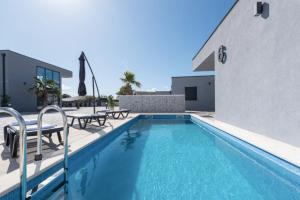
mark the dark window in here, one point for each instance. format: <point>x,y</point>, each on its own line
<point>41,73</point>
<point>49,74</point>
<point>190,93</point>
<point>56,78</point>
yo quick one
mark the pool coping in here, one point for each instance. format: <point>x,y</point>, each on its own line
<point>276,148</point>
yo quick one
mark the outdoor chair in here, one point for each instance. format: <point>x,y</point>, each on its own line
<point>5,129</point>
<point>11,134</point>
<point>116,114</point>
<point>84,119</point>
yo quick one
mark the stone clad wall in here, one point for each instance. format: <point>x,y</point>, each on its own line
<point>153,103</point>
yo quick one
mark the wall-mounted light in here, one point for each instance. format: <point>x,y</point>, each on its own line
<point>258,8</point>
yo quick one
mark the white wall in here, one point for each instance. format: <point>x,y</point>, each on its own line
<point>153,103</point>
<point>258,88</point>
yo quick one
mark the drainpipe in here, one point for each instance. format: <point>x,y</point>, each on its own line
<point>3,77</point>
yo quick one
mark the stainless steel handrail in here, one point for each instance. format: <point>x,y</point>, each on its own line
<point>39,156</point>
<point>23,148</point>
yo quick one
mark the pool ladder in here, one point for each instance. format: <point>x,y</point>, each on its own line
<point>38,156</point>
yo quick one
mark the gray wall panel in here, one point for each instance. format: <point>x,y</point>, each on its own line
<point>205,91</point>
<point>258,88</point>
<point>20,71</point>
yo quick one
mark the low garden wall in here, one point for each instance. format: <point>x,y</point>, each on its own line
<point>153,103</point>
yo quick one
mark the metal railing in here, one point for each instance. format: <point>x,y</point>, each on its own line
<point>23,148</point>
<point>39,156</point>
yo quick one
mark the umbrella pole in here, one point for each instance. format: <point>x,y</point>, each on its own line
<point>94,99</point>
<point>87,61</point>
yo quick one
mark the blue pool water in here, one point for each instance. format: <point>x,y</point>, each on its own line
<point>174,159</point>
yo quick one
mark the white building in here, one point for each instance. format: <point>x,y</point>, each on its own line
<point>255,56</point>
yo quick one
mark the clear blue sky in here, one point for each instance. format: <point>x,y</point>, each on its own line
<point>155,39</point>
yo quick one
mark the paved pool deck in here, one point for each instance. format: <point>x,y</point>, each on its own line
<point>52,147</point>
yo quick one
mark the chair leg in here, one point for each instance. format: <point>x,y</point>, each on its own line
<point>79,122</point>
<point>104,121</point>
<point>14,146</point>
<point>126,115</point>
<point>11,143</point>
<point>101,123</point>
<point>98,120</point>
<point>59,138</point>
<point>85,121</point>
<point>6,136</point>
<point>118,116</point>
<point>72,121</point>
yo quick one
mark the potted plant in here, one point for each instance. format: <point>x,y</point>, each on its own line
<point>6,101</point>
<point>111,102</point>
<point>77,105</point>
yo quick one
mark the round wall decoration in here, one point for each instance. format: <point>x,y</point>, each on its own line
<point>222,56</point>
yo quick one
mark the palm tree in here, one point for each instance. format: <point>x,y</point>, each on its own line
<point>45,87</point>
<point>129,81</point>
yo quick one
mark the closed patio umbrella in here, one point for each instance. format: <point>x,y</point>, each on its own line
<point>81,88</point>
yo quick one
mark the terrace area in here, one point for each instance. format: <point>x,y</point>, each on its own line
<point>51,148</point>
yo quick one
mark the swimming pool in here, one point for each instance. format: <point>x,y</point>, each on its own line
<point>175,157</point>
